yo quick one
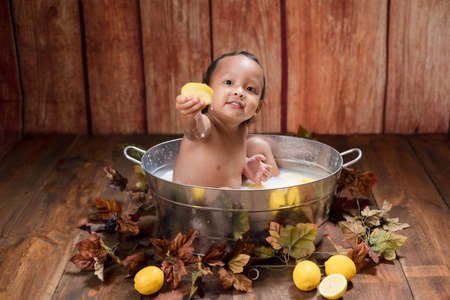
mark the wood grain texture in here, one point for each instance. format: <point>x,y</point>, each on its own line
<point>114,65</point>
<point>402,180</point>
<point>336,58</point>
<point>419,67</point>
<point>10,98</point>
<point>434,153</point>
<point>28,269</point>
<point>176,46</point>
<point>256,28</point>
<point>49,46</point>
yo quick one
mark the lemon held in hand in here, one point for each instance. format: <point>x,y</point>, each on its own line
<point>340,264</point>
<point>149,280</point>
<point>198,90</point>
<point>333,286</point>
<point>306,275</point>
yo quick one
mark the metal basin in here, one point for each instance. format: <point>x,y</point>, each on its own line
<point>225,214</point>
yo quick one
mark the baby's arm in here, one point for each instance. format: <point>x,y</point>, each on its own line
<point>260,162</point>
<point>256,170</point>
<point>196,125</point>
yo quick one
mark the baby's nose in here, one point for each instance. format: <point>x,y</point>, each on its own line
<point>239,92</point>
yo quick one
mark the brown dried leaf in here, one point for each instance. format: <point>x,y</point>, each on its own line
<point>239,282</point>
<point>133,263</point>
<point>274,231</point>
<point>358,254</point>
<point>107,209</point>
<point>138,201</point>
<point>174,270</point>
<point>89,249</point>
<point>365,183</point>
<point>352,230</point>
<point>128,224</point>
<point>116,180</point>
<point>214,255</point>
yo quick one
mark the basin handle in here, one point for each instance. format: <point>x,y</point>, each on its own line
<point>132,158</point>
<point>352,161</point>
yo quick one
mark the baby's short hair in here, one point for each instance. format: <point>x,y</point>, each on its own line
<point>213,66</point>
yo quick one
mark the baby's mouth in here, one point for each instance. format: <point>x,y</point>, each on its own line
<point>236,104</point>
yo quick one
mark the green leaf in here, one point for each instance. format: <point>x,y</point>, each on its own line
<point>386,243</point>
<point>298,240</point>
<point>263,252</point>
<point>392,224</point>
<point>303,133</point>
<point>237,263</point>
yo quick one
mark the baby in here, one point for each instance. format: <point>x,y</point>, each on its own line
<point>215,150</point>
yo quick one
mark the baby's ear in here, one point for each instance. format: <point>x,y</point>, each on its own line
<point>260,104</point>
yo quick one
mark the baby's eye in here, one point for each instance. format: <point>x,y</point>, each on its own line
<point>228,82</point>
<point>251,89</point>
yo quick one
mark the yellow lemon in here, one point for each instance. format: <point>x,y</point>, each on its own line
<point>276,200</point>
<point>198,90</point>
<point>149,280</point>
<point>307,179</point>
<point>198,194</point>
<point>333,286</point>
<point>340,264</point>
<point>306,275</point>
<point>293,196</point>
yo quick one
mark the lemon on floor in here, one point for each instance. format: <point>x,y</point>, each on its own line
<point>333,286</point>
<point>306,275</point>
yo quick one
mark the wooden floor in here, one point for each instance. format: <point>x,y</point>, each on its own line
<point>46,183</point>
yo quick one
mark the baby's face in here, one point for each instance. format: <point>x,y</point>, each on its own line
<point>237,82</point>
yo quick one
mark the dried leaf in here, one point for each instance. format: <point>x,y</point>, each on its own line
<point>133,263</point>
<point>138,201</point>
<point>274,231</point>
<point>303,133</point>
<point>89,249</point>
<point>386,243</point>
<point>352,229</point>
<point>110,252</point>
<point>386,207</point>
<point>264,252</point>
<point>358,254</point>
<point>239,282</point>
<point>365,183</point>
<point>174,270</point>
<point>237,263</point>
<point>175,254</point>
<point>392,224</point>
<point>197,285</point>
<point>372,216</point>
<point>128,224</point>
<point>107,209</point>
<point>99,267</point>
<point>298,240</point>
<point>214,255</point>
<point>116,180</point>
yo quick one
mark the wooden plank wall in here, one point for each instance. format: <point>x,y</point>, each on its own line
<point>340,67</point>
<point>10,104</point>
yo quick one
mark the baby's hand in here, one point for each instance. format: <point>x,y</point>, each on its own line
<point>256,170</point>
<point>188,106</point>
